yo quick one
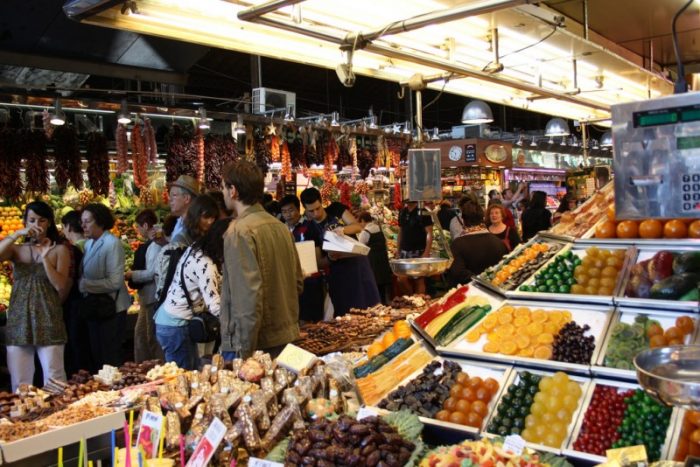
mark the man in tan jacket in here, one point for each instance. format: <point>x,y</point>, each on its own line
<point>262,275</point>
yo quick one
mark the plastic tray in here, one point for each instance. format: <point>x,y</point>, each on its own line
<point>514,378</point>
<point>644,253</point>
<point>597,317</point>
<point>627,315</point>
<point>500,373</point>
<point>569,450</point>
<point>579,251</point>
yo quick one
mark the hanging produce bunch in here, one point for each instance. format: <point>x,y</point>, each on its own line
<point>312,154</point>
<point>122,143</point>
<point>67,157</point>
<point>139,157</point>
<point>34,144</point>
<point>98,163</point>
<point>398,150</point>
<point>182,155</point>
<point>366,157</point>
<point>353,156</point>
<point>275,148</point>
<point>149,138</point>
<point>46,123</point>
<point>295,144</point>
<point>199,145</point>
<point>344,157</point>
<point>10,163</point>
<point>286,162</point>
<point>219,150</point>
<point>330,154</point>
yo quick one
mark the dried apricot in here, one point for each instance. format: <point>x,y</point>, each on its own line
<point>522,341</point>
<point>533,329</point>
<point>526,352</point>
<point>508,347</point>
<point>505,318</point>
<point>543,352</point>
<point>545,338</point>
<point>490,347</point>
<point>473,336</point>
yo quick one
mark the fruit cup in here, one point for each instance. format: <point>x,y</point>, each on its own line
<point>619,414</point>
<point>540,406</point>
<point>633,330</point>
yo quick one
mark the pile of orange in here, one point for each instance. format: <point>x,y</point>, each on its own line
<point>528,254</point>
<point>10,220</point>
<point>520,331</point>
<point>673,335</point>
<point>401,329</point>
<point>649,228</point>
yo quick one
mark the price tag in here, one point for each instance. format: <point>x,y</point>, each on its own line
<point>514,444</point>
<point>255,462</point>
<point>207,445</point>
<point>149,433</point>
<point>365,412</point>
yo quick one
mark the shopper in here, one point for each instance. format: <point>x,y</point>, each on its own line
<point>142,278</point>
<point>168,227</point>
<point>536,216</point>
<point>42,281</point>
<point>77,349</point>
<point>344,214</point>
<point>102,281</point>
<point>415,241</point>
<point>378,256</point>
<point>456,224</point>
<point>182,192</point>
<point>73,230</point>
<point>224,212</point>
<point>196,287</point>
<point>477,249</point>
<point>351,282</point>
<point>445,214</point>
<point>513,201</point>
<point>495,216</point>
<point>568,203</point>
<point>262,274</point>
<point>496,198</point>
<point>311,300</point>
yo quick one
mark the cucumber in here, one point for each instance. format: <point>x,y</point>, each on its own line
<point>687,262</point>
<point>383,358</point>
<point>461,323</point>
<point>674,287</point>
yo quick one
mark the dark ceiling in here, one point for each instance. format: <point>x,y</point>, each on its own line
<point>40,46</point>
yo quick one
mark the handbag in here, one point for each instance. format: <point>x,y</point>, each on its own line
<point>97,306</point>
<point>203,327</point>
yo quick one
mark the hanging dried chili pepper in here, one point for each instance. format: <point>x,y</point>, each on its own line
<point>98,163</point>
<point>122,149</point>
<point>35,161</point>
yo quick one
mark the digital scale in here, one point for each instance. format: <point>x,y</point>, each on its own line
<point>657,157</point>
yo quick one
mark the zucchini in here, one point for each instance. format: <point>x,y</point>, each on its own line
<point>383,358</point>
<point>460,323</point>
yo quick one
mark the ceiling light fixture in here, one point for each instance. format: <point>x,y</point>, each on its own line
<point>58,117</point>
<point>373,123</point>
<point>290,115</point>
<point>557,127</point>
<point>124,116</point>
<point>436,134</point>
<point>334,120</point>
<point>240,126</point>
<point>407,128</point>
<point>533,143</point>
<point>203,120</point>
<point>606,140</point>
<point>477,112</point>
<point>520,140</point>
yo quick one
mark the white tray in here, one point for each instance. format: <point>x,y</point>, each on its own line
<point>596,316</point>
<point>569,450</point>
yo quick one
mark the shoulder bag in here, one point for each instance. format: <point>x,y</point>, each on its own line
<point>204,326</point>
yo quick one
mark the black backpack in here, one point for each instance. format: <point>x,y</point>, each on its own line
<point>174,256</point>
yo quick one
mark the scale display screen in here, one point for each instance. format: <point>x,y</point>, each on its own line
<point>647,118</point>
<point>688,142</point>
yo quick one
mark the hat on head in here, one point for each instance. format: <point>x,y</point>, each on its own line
<point>187,183</point>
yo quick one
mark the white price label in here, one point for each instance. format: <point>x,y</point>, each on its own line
<point>365,412</point>
<point>207,445</point>
<point>255,462</point>
<point>514,444</point>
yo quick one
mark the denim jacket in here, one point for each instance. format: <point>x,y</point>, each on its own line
<point>103,269</point>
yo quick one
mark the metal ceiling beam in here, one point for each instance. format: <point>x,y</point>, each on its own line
<point>431,61</point>
<point>434,17</point>
<point>249,14</point>
<point>92,68</point>
<point>78,10</point>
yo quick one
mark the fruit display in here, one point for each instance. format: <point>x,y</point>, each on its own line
<point>648,228</point>
<point>593,271</point>
<point>635,333</point>
<point>470,400</point>
<point>487,452</point>
<point>581,220</point>
<point>517,267</point>
<point>400,330</point>
<point>10,220</point>
<point>666,275</point>
<point>689,436</point>
<point>544,334</point>
<point>538,408</point>
<point>450,300</point>
<point>619,417</point>
<point>424,395</point>
<point>375,386</point>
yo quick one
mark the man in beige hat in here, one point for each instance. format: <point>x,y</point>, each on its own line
<point>182,192</point>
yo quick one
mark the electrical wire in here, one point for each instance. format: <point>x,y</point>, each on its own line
<point>680,86</point>
<point>524,48</point>
<point>447,78</point>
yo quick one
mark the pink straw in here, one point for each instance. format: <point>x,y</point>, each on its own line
<point>182,451</point>
<point>127,440</point>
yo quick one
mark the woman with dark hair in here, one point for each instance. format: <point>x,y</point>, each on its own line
<point>201,214</point>
<point>373,237</point>
<point>477,248</point>
<point>196,286</point>
<point>42,281</point>
<point>536,216</point>
<point>495,221</point>
<point>568,203</point>
<point>103,275</point>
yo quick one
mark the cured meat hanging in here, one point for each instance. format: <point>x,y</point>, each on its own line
<point>98,163</point>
